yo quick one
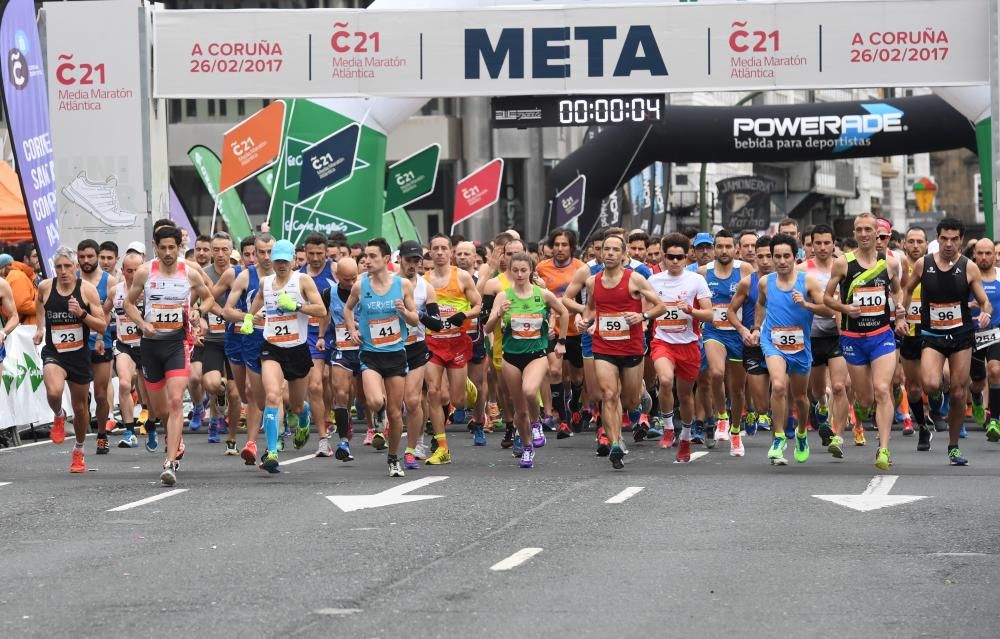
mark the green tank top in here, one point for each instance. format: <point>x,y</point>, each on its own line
<point>526,323</point>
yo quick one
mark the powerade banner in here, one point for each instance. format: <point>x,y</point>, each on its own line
<point>659,200</point>
<point>26,104</point>
<point>229,204</point>
<point>539,50</point>
<point>355,207</point>
<point>745,202</point>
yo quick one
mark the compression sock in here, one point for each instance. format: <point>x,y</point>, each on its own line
<point>271,428</point>
<point>917,409</point>
<point>442,441</point>
<point>343,419</point>
<point>576,393</point>
<point>558,401</point>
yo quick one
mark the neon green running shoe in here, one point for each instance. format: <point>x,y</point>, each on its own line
<point>836,447</point>
<point>978,410</point>
<point>882,459</point>
<point>801,448</point>
<point>776,452</point>
<point>301,431</point>
<point>993,431</point>
<point>862,412</point>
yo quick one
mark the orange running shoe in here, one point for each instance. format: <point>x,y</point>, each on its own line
<point>667,441</point>
<point>58,432</point>
<point>249,454</point>
<point>77,465</point>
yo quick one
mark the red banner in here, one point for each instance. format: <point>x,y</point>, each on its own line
<point>252,145</point>
<point>477,191</point>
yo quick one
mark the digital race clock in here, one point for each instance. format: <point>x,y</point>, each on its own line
<point>576,110</point>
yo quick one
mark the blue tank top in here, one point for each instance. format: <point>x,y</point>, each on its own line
<point>750,306</point>
<point>786,323</point>
<point>722,293</point>
<point>247,298</point>
<point>109,334</point>
<point>382,328</point>
<point>231,327</point>
<point>323,281</point>
<point>993,293</point>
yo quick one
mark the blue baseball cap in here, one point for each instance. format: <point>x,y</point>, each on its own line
<point>283,251</point>
<point>701,238</point>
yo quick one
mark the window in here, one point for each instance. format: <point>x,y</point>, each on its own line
<point>681,179</point>
<point>211,108</point>
<point>241,107</point>
<point>223,108</point>
<point>191,108</point>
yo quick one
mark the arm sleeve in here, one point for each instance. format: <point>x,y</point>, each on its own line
<point>484,314</point>
<point>432,317</point>
<point>325,296</point>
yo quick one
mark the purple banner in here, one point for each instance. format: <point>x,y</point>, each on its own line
<point>569,201</point>
<point>27,108</point>
<point>180,217</point>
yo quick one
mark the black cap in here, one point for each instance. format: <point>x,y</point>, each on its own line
<point>409,248</point>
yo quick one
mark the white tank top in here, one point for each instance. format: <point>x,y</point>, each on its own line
<point>284,328</point>
<point>128,331</point>
<point>166,299</point>
<point>416,333</point>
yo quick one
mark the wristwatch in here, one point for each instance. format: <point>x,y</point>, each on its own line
<point>645,316</point>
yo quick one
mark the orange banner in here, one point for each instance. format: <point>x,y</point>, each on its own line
<point>252,145</point>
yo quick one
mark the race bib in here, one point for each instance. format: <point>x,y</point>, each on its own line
<point>614,328</point>
<point>720,317</point>
<point>281,329</point>
<point>216,325</point>
<point>449,330</point>
<point>913,313</point>
<point>526,326</point>
<point>313,322</point>
<point>128,331</point>
<point>946,317</point>
<point>385,331</point>
<point>675,320</point>
<point>987,337</point>
<point>68,338</point>
<point>471,326</point>
<point>343,339</point>
<point>788,339</point>
<point>871,300</point>
<point>168,318</point>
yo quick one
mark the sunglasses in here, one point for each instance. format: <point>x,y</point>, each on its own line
<point>674,257</point>
<point>884,237</point>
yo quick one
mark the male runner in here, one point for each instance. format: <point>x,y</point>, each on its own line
<point>745,300</point>
<point>107,257</point>
<point>165,285</point>
<point>861,286</point>
<point>987,358</point>
<point>343,357</point>
<point>385,309</point>
<point>318,267</point>
<point>910,344</point>
<point>215,368</point>
<point>465,259</point>
<point>202,250</point>
<point>100,346</point>
<point>946,280</point>
<point>128,348</point>
<point>747,244</point>
<point>69,309</point>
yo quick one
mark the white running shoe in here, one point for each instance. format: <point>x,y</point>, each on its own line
<point>722,429</point>
<point>421,451</point>
<point>100,199</point>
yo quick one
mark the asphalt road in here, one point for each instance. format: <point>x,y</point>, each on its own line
<point>709,549</point>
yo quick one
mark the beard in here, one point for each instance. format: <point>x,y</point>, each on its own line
<point>88,268</point>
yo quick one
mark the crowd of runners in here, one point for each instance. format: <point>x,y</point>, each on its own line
<point>683,341</point>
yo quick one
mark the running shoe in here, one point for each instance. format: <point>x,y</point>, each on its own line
<point>697,432</point>
<point>410,461</point>
<point>301,434</point>
<point>518,446</point>
<point>441,456</point>
<point>151,437</point>
<point>102,446</point>
<point>776,453</point>
<point>369,436</point>
<point>822,414</point>
<point>169,475</point>
<point>750,423</point>
<point>213,432</point>
<point>395,468</point>
<point>924,437</point>
<point>323,449</point>
<point>343,452</point>
<point>527,458</point>
<point>736,445</point>
<point>639,432</point>
<point>508,437</point>
<point>978,410</point>
<point>882,459</point>
<point>603,446</point>
<point>963,432</point>
<point>249,453</point>
<point>76,464</point>
<point>859,435</point>
<point>378,441</point>
<point>537,435</point>
<point>459,416</point>
<point>709,436</point>
<point>549,424</point>
<point>269,462</point>
<point>617,457</point>
<point>231,449</point>
<point>825,434</point>
<point>478,436</point>
<point>58,432</point>
<point>112,426</point>
<point>197,415</point>
<point>564,431</point>
<point>683,451</point>
<point>576,421</point>
<point>993,431</point>
<point>955,457</point>
<point>667,440</point>
<point>790,428</point>
<point>421,451</point>
<point>907,426</point>
<point>722,427</point>
<point>655,428</point>
<point>281,442</point>
<point>836,447</point>
<point>802,448</point>
<point>180,449</point>
<point>129,440</point>
<point>764,423</point>
<point>493,411</point>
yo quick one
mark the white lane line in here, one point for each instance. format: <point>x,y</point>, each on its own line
<point>148,500</point>
<point>631,491</point>
<point>515,560</point>
<point>297,460</point>
<point>4,483</point>
<point>69,440</point>
<point>698,455</point>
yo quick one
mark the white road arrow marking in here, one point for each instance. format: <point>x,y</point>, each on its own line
<point>876,496</point>
<point>390,497</point>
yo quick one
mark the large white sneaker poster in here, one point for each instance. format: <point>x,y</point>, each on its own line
<point>95,102</point>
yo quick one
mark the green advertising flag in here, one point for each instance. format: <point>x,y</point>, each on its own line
<point>266,180</point>
<point>231,208</point>
<point>355,207</point>
<point>397,227</point>
<point>412,178</point>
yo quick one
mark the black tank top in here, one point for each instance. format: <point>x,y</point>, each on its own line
<point>869,288</point>
<point>64,332</point>
<point>944,298</point>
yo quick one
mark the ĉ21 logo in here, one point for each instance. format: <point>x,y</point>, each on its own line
<point>68,73</point>
<point>741,40</point>
<point>344,41</point>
